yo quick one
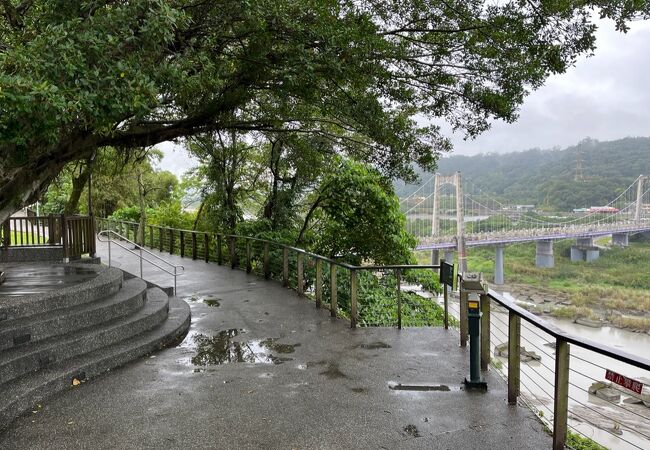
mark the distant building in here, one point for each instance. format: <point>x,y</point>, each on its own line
<point>603,209</point>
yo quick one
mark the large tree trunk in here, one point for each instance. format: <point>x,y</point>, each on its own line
<point>78,185</point>
<point>23,185</point>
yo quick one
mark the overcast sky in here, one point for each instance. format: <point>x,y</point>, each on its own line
<point>605,97</point>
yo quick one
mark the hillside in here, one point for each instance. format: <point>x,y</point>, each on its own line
<point>547,178</point>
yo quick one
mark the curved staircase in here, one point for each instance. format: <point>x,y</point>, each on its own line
<point>51,341</point>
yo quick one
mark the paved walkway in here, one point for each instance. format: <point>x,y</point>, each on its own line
<point>305,381</point>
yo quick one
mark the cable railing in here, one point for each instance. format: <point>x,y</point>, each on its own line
<point>165,266</point>
<point>330,283</point>
<point>564,378</point>
<point>548,369</point>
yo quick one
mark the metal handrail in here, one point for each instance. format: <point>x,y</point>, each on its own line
<point>141,249</point>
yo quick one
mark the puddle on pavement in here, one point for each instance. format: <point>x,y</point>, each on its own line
<point>210,301</point>
<point>215,302</point>
<point>412,430</point>
<point>421,387</point>
<point>333,372</point>
<point>222,348</point>
<point>373,345</point>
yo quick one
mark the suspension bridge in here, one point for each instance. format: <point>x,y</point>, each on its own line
<point>450,214</point>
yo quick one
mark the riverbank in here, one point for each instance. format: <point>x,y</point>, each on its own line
<point>612,290</point>
<point>558,304</point>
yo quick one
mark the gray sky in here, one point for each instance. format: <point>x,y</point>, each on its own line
<point>605,97</point>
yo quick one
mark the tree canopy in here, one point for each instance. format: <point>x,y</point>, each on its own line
<point>77,76</point>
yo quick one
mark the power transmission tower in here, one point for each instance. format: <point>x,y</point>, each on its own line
<point>579,174</point>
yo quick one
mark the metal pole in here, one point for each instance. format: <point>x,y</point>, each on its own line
<point>485,331</point>
<point>175,290</point>
<point>109,249</point>
<point>353,298</point>
<point>141,262</point>
<point>319,282</point>
<point>333,290</point>
<point>399,298</point>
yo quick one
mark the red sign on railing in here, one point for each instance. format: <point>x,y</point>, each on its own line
<point>627,383</point>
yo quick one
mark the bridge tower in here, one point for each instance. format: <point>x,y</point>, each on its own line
<point>639,200</point>
<point>454,180</point>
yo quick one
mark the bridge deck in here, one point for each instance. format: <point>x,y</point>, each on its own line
<point>328,389</point>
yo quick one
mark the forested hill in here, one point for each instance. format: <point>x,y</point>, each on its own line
<point>547,178</point>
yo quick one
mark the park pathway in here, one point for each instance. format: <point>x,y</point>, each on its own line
<point>303,380</point>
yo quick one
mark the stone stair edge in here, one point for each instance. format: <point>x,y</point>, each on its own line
<point>45,325</point>
<point>107,282</point>
<point>15,362</point>
<point>19,396</point>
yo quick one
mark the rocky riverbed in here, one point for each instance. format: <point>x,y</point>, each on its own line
<point>544,301</point>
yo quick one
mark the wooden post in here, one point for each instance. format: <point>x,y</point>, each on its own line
<point>398,276</point>
<point>485,331</point>
<point>182,233</point>
<point>446,297</point>
<point>301,287</point>
<point>64,239</point>
<point>354,315</point>
<point>561,400</point>
<point>463,319</point>
<point>219,249</point>
<point>206,247</point>
<point>160,238</point>
<point>333,290</point>
<point>171,241</point>
<point>285,267</point>
<point>514,357</point>
<point>319,282</point>
<point>193,244</point>
<point>51,232</point>
<point>249,266</point>
<point>267,265</point>
<point>92,238</point>
<point>6,234</point>
<point>233,252</point>
<point>151,237</point>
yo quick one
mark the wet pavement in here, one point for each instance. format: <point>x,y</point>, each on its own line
<point>36,278</point>
<point>263,368</point>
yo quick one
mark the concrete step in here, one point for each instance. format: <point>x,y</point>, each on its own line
<point>107,282</point>
<point>24,393</point>
<point>22,360</point>
<point>37,327</point>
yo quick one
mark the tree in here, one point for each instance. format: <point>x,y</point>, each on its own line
<point>229,171</point>
<point>356,215</point>
<point>77,76</point>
